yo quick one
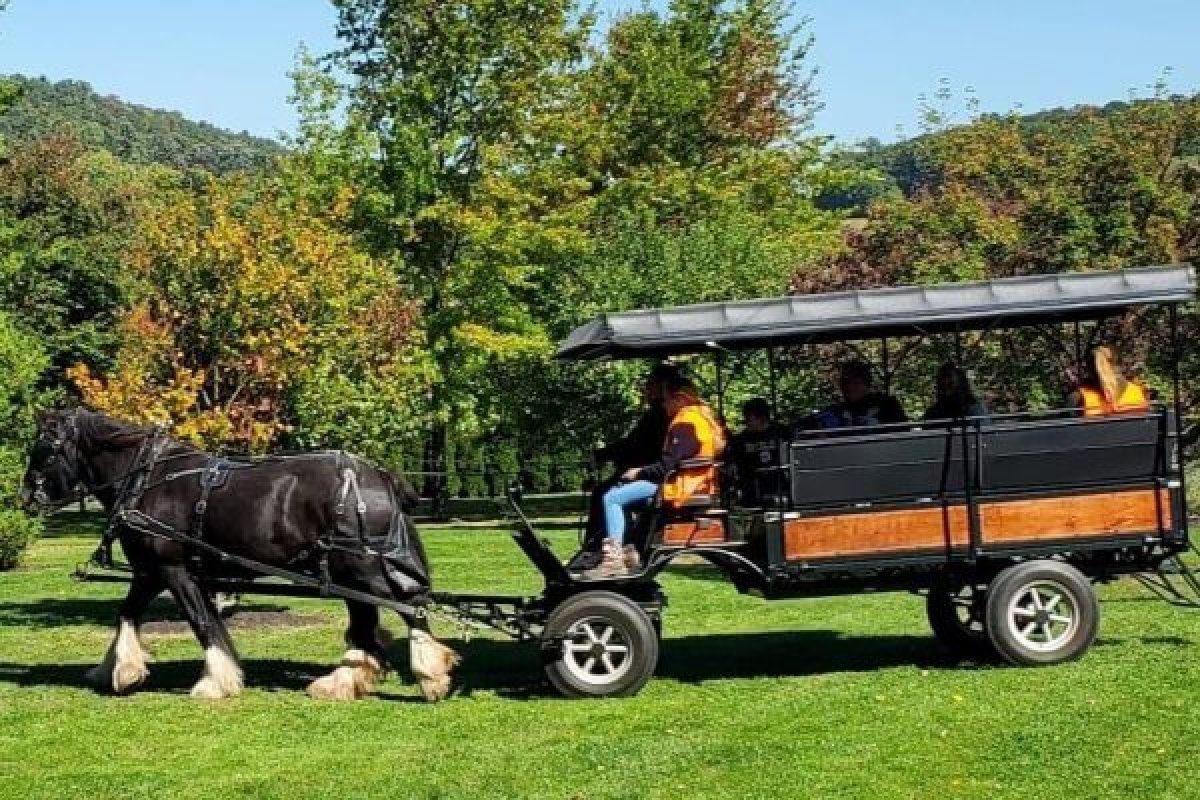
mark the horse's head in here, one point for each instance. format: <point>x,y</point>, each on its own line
<point>52,477</point>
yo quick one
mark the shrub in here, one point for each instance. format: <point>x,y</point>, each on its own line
<point>17,530</point>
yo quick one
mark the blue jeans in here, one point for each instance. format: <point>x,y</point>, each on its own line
<point>620,497</point>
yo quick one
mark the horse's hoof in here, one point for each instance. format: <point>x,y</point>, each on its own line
<point>435,689</point>
<point>208,689</point>
<point>127,678</point>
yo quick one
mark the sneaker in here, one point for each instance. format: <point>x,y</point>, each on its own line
<point>584,560</point>
<point>612,563</point>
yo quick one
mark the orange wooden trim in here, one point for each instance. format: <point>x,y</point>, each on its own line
<point>1091,515</point>
<point>704,530</point>
<point>875,532</point>
<point>1095,515</point>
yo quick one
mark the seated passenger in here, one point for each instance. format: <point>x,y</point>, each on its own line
<point>1105,390</point>
<point>754,453</point>
<point>693,433</point>
<point>639,446</point>
<point>861,407</point>
<point>955,399</point>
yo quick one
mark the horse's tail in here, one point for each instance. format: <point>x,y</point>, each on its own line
<point>407,549</point>
<point>405,493</point>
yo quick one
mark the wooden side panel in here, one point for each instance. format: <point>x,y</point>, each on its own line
<point>875,532</point>
<point>704,530</point>
<point>1086,515</point>
<point>1013,521</point>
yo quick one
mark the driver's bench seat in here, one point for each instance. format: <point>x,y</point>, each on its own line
<point>700,519</point>
<point>697,519</point>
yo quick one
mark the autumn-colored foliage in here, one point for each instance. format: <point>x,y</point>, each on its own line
<point>243,293</point>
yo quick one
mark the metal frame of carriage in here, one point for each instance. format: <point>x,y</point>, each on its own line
<point>1004,525</point>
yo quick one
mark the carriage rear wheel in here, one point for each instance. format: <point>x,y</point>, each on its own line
<point>599,644</point>
<point>957,616</point>
<point>1042,612</point>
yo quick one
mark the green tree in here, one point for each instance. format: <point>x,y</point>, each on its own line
<point>67,220</point>
<point>447,91</point>
<point>256,319</point>
<point>21,365</point>
<point>1093,189</point>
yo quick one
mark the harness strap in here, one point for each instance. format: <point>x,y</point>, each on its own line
<point>132,488</point>
<point>212,476</point>
<point>149,526</point>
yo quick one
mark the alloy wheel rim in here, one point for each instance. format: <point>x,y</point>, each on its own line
<point>968,611</point>
<point>1043,616</point>
<point>597,652</point>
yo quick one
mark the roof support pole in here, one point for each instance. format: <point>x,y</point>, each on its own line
<point>885,365</point>
<point>719,362</point>
<point>1177,401</point>
<point>773,384</point>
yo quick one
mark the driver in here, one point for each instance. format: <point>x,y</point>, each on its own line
<point>694,433</point>
<point>640,445</point>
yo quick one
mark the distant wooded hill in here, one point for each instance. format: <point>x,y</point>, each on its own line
<point>906,166</point>
<point>131,132</point>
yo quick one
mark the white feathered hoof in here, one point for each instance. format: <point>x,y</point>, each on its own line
<point>124,666</point>
<point>432,662</point>
<point>353,679</point>
<point>222,677</point>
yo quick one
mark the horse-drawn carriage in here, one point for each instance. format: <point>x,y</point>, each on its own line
<point>1005,524</point>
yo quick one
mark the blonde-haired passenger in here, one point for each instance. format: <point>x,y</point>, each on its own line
<point>1106,390</point>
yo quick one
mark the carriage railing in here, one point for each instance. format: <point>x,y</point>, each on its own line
<point>1004,453</point>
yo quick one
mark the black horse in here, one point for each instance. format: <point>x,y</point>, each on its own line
<point>310,513</point>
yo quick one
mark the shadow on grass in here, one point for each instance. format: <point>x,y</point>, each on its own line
<point>66,612</point>
<point>512,669</point>
<point>171,677</point>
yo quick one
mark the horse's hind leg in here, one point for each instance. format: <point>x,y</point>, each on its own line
<point>124,666</point>
<point>222,676</point>
<point>431,661</point>
<point>363,664</point>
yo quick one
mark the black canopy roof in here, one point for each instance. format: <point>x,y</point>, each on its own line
<point>872,313</point>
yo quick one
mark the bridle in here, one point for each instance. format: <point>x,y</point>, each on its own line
<point>64,451</point>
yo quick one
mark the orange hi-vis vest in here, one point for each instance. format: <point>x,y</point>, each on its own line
<point>1132,399</point>
<point>696,420</point>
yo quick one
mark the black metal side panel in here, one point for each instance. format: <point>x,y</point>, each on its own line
<point>1059,454</point>
<point>879,468</point>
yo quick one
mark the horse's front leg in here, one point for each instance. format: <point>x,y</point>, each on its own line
<point>222,676</point>
<point>124,666</point>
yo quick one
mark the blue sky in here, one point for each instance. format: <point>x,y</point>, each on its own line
<point>226,61</point>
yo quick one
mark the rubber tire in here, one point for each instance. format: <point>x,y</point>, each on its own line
<point>942,613</point>
<point>1012,581</point>
<point>618,611</point>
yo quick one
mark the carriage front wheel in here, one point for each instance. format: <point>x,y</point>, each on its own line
<point>599,644</point>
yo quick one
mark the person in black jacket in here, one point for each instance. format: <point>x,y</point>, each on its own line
<point>754,454</point>
<point>640,446</point>
<point>861,405</point>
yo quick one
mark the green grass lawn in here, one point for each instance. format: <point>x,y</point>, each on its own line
<point>847,697</point>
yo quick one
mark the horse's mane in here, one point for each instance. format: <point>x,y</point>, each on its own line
<point>99,430</point>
